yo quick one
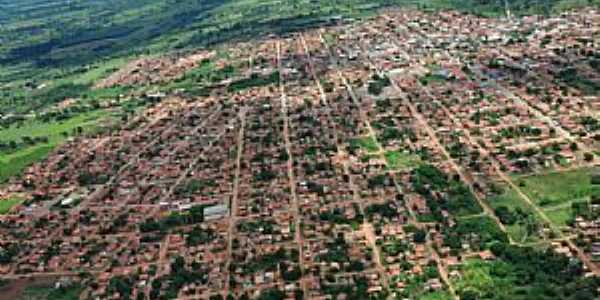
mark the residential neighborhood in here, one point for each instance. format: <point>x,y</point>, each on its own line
<point>380,159</point>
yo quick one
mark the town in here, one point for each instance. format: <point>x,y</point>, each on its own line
<point>390,158</point>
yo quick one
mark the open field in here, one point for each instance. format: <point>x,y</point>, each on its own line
<point>13,161</point>
<point>399,160</point>
<point>14,164</point>
<point>556,188</point>
<point>435,296</point>
<point>511,200</point>
<point>7,204</point>
<point>53,129</point>
<point>49,292</point>
<point>367,143</point>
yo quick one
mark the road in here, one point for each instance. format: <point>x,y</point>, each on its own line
<point>291,177</point>
<point>233,209</point>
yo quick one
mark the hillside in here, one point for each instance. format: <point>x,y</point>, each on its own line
<point>61,33</point>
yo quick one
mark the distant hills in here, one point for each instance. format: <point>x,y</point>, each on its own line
<point>62,33</point>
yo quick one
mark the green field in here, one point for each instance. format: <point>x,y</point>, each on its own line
<point>52,129</point>
<point>367,143</point>
<point>510,198</point>
<point>7,204</point>
<point>477,276</point>
<point>44,292</point>
<point>11,165</point>
<point>553,192</point>
<point>436,296</point>
<point>556,188</point>
<point>399,160</point>
<point>13,162</point>
<point>561,215</point>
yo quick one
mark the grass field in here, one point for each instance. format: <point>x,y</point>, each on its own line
<point>7,204</point>
<point>367,143</point>
<point>512,200</point>
<point>53,130</point>
<point>443,295</point>
<point>13,163</point>
<point>559,216</point>
<point>50,293</point>
<point>399,161</point>
<point>553,192</point>
<point>482,277</point>
<point>559,187</point>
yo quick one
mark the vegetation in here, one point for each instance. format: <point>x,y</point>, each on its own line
<point>266,262</point>
<point>521,222</point>
<point>49,292</point>
<point>456,197</point>
<point>200,236</point>
<point>431,78</point>
<point>193,216</point>
<point>368,143</point>
<point>524,273</point>
<point>559,187</point>
<point>571,77</point>
<point>179,277</point>
<point>11,165</point>
<point>560,195</point>
<point>479,232</point>
<point>337,216</point>
<point>254,80</point>
<point>378,83</point>
<point>27,141</point>
<point>386,210</point>
<point>7,204</point>
<point>399,160</point>
<point>194,186</point>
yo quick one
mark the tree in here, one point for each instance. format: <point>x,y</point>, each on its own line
<point>505,215</point>
<point>419,236</point>
<point>196,214</point>
<point>469,295</point>
<point>531,225</point>
<point>574,146</point>
<point>272,294</point>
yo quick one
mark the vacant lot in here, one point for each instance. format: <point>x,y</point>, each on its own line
<point>556,188</point>
<point>400,160</point>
